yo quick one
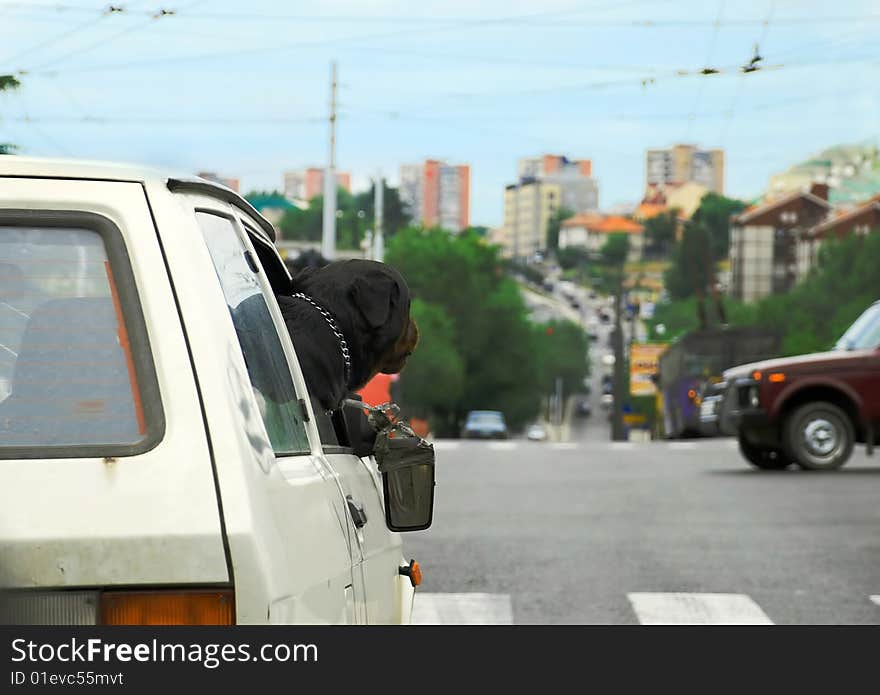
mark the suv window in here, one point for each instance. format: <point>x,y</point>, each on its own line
<point>263,353</point>
<point>76,376</point>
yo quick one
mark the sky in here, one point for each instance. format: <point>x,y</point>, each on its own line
<point>243,89</point>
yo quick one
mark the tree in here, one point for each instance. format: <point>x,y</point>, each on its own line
<point>660,233</point>
<point>491,333</point>
<point>435,374</point>
<point>693,266</point>
<point>8,83</point>
<point>355,215</point>
<point>554,225</point>
<point>562,352</point>
<point>615,250</point>
<point>714,216</point>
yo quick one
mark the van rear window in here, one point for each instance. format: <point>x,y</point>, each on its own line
<point>69,382</point>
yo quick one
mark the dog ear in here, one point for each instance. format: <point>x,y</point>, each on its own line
<point>374,295</point>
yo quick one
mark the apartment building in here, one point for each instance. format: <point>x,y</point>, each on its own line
<point>545,184</point>
<point>437,193</point>
<point>529,205</point>
<point>305,184</point>
<point>679,164</point>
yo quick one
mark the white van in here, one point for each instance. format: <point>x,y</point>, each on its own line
<point>160,460</point>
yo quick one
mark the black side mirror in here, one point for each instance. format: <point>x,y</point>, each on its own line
<point>406,463</point>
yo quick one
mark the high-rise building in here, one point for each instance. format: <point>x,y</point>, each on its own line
<point>305,184</point>
<point>437,193</point>
<point>544,185</point>
<point>680,164</point>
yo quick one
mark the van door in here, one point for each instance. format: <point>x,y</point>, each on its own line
<point>286,521</point>
<point>379,554</point>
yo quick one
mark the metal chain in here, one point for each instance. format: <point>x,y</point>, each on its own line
<point>328,317</point>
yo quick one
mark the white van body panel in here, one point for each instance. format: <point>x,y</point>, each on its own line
<point>150,518</point>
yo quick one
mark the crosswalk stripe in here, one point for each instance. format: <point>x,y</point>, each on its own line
<point>565,445</point>
<point>503,446</point>
<point>682,445</point>
<point>697,609</point>
<point>462,609</point>
<point>442,444</point>
<point>875,599</point>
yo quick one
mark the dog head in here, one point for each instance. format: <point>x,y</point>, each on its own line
<point>371,302</point>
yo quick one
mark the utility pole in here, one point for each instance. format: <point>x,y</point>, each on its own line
<point>328,238</point>
<point>378,213</point>
<point>620,386</point>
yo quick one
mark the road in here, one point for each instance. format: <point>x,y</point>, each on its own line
<point>621,533</point>
<point>589,531</point>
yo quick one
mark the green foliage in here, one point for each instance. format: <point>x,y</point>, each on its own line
<point>562,351</point>
<point>680,317</point>
<point>813,315</point>
<point>491,334</point>
<point>8,83</point>
<point>434,376</point>
<point>705,241</point>
<point>818,310</point>
<point>692,265</point>
<point>554,225</point>
<point>615,250</point>
<point>660,234</point>
<point>572,257</point>
<point>358,215</point>
<point>713,216</point>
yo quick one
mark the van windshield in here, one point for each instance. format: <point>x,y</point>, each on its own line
<point>864,334</point>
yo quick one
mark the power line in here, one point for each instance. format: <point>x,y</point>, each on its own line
<point>702,83</point>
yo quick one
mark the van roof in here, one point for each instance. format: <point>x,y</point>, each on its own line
<point>44,167</point>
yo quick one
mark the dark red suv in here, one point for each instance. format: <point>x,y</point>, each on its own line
<point>810,409</point>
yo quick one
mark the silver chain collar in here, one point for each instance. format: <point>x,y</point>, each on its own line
<point>328,317</point>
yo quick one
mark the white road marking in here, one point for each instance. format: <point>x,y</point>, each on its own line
<point>462,609</point>
<point>697,609</point>
<point>622,445</point>
<point>445,444</point>
<point>682,445</point>
<point>875,599</point>
<point>503,446</point>
<point>565,445</point>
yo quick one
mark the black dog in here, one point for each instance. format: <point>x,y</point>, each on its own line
<point>348,321</point>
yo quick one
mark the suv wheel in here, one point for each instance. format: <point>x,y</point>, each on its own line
<point>765,458</point>
<point>819,436</point>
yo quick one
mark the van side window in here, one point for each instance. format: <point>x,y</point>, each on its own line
<point>263,353</point>
<point>76,375</point>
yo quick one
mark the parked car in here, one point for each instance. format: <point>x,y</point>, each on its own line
<point>584,407</point>
<point>606,401</point>
<point>711,398</point>
<point>810,409</point>
<point>536,432</point>
<point>161,458</point>
<point>485,424</point>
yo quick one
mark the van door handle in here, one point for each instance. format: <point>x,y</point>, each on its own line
<point>356,509</point>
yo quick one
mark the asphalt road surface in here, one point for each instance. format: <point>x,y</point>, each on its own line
<point>660,532</point>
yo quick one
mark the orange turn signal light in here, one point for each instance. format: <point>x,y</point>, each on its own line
<point>692,394</point>
<point>756,375</point>
<point>413,571</point>
<point>168,607</point>
<point>776,377</point>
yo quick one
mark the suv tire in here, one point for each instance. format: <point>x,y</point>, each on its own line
<point>819,436</point>
<point>765,458</point>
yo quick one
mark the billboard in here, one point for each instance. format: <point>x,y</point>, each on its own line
<point>644,361</point>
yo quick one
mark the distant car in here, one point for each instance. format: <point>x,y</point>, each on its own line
<point>593,294</point>
<point>536,432</point>
<point>592,333</point>
<point>608,359</point>
<point>485,424</point>
<point>584,407</point>
<point>711,400</point>
<point>606,401</point>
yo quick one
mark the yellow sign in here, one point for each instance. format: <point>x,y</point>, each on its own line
<point>644,361</point>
